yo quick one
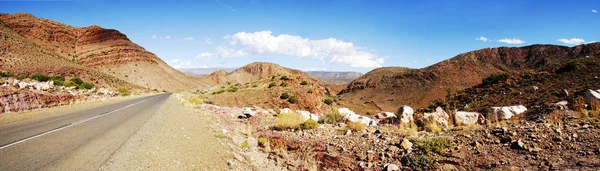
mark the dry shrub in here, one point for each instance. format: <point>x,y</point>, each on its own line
<point>579,104</point>
<point>430,125</point>
<point>595,105</point>
<point>195,100</point>
<point>309,124</point>
<point>332,116</point>
<point>407,129</point>
<point>356,126</point>
<point>288,121</point>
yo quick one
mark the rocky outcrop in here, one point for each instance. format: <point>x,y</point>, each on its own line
<point>406,114</point>
<point>12,100</point>
<point>592,96</point>
<point>440,116</point>
<point>507,112</point>
<point>468,118</point>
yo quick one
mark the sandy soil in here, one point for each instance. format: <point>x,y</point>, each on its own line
<point>174,138</point>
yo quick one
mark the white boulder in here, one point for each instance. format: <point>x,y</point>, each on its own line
<point>353,117</point>
<point>592,96</point>
<point>248,111</point>
<point>406,113</point>
<point>468,118</point>
<point>305,114</point>
<point>285,110</point>
<point>440,116</point>
<point>507,112</point>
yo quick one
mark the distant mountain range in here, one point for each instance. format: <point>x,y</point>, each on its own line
<point>330,77</point>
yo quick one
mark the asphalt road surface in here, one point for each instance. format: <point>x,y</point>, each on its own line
<point>74,141</point>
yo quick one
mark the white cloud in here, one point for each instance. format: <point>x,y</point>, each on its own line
<point>511,41</point>
<point>207,41</point>
<point>336,51</point>
<point>572,41</point>
<point>314,69</point>
<point>594,11</point>
<point>178,63</point>
<point>226,52</point>
<point>484,39</point>
<point>188,39</point>
<point>168,37</point>
<point>205,55</point>
<point>593,41</point>
<point>154,36</point>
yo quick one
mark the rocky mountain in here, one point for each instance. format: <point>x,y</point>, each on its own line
<point>335,77</point>
<point>388,88</point>
<point>264,84</point>
<point>94,49</point>
<point>202,72</point>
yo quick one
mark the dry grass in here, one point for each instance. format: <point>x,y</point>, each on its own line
<point>356,126</point>
<point>288,121</point>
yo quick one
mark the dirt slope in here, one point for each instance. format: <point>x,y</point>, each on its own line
<point>391,87</point>
<point>262,84</point>
<point>104,50</point>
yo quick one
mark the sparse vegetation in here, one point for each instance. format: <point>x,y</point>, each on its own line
<point>284,96</point>
<point>309,92</point>
<point>292,99</point>
<point>309,124</point>
<point>434,144</point>
<point>218,92</point>
<point>272,84</point>
<point>85,86</point>
<point>69,84</point>
<point>233,89</point>
<point>284,78</point>
<point>288,121</point>
<point>283,84</point>
<point>244,144</point>
<point>58,80</point>
<point>39,77</point>
<point>6,74</point>
<point>420,161</point>
<point>332,116</point>
<point>495,78</point>
<point>124,91</point>
<point>263,142</point>
<point>304,83</point>
<point>356,126</point>
<point>328,101</point>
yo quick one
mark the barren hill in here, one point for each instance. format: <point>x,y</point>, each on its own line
<point>263,84</point>
<point>22,56</point>
<point>391,87</point>
<point>104,50</point>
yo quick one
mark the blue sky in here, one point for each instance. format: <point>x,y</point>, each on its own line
<point>338,35</point>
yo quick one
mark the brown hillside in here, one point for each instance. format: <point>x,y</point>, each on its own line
<point>23,57</point>
<point>389,88</point>
<point>250,86</point>
<point>105,50</point>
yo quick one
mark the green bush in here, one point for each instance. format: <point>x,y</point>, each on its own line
<point>283,84</point>
<point>309,92</point>
<point>284,78</point>
<point>434,144</point>
<point>292,99</point>
<point>85,86</point>
<point>328,101</point>
<point>39,77</point>
<point>58,80</point>
<point>495,78</point>
<point>218,92</point>
<point>6,74</point>
<point>420,161</point>
<point>76,80</point>
<point>244,144</point>
<point>272,84</point>
<point>233,89</point>
<point>124,91</point>
<point>288,121</point>
<point>284,96</point>
<point>69,84</point>
<point>332,116</point>
<point>309,124</point>
<point>263,142</point>
<point>304,83</point>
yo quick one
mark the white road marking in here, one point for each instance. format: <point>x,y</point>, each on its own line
<point>72,124</point>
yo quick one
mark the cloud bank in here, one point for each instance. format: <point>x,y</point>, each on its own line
<point>572,41</point>
<point>511,41</point>
<point>332,50</point>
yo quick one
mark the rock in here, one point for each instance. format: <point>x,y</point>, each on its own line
<point>406,145</point>
<point>534,88</point>
<point>391,167</point>
<point>406,114</point>
<point>468,118</point>
<point>393,148</point>
<point>507,112</point>
<point>565,92</point>
<point>248,112</point>
<point>592,96</point>
<point>440,116</point>
<point>518,145</point>
<point>285,110</point>
<point>349,132</point>
<point>562,105</point>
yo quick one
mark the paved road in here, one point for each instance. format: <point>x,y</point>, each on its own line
<point>74,141</point>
